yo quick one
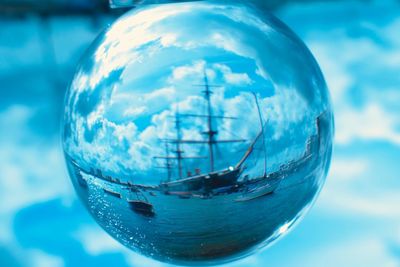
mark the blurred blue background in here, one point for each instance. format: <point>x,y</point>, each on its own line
<point>355,221</point>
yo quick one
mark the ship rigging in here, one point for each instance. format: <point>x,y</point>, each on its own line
<point>213,179</point>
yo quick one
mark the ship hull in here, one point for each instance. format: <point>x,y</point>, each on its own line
<point>141,207</point>
<point>202,183</point>
<point>263,187</point>
<point>112,193</point>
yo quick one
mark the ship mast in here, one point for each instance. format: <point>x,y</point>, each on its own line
<point>262,134</point>
<point>168,162</point>
<point>167,158</point>
<point>178,150</point>
<point>210,131</point>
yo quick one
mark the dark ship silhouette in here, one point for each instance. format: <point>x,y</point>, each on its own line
<point>141,204</point>
<point>204,184</point>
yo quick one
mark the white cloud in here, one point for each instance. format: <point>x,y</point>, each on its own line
<point>39,258</point>
<point>233,78</point>
<point>28,168</point>
<point>96,241</point>
<point>345,169</point>
<point>283,109</point>
<point>344,192</point>
<point>138,260</point>
<point>117,145</point>
<point>24,162</point>
<point>366,251</point>
<point>135,111</point>
<point>353,188</point>
<point>16,117</point>
<point>134,105</point>
<point>196,69</point>
<point>370,123</point>
<point>118,47</point>
<point>181,72</point>
<point>347,201</point>
<point>338,78</point>
<point>344,63</point>
<point>108,147</point>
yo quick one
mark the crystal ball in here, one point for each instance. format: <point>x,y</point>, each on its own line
<point>199,132</point>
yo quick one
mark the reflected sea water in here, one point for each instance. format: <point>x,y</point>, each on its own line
<point>197,133</point>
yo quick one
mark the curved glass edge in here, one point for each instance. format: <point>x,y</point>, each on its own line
<point>133,3</point>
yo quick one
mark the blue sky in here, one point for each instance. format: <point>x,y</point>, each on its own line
<point>132,81</point>
<point>356,219</point>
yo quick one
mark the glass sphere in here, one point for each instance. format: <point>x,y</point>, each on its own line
<point>198,132</point>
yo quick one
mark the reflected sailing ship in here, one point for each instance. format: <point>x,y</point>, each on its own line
<point>214,182</point>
